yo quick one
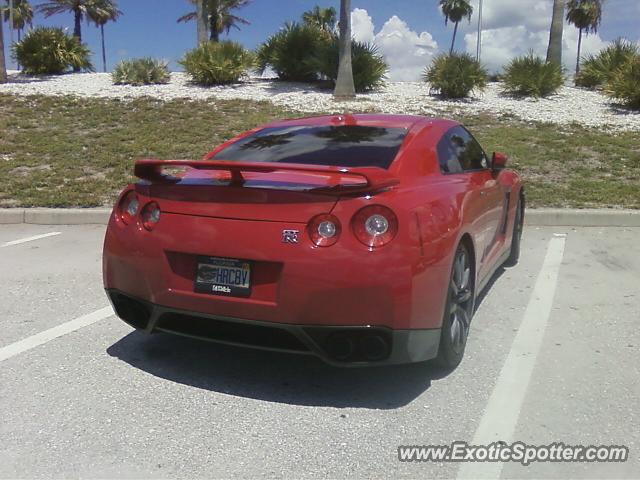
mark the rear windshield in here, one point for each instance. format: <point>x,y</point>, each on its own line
<point>341,146</point>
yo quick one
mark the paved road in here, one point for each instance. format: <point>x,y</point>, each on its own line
<point>106,401</point>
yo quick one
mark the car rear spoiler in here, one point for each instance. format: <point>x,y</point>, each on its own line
<point>372,178</point>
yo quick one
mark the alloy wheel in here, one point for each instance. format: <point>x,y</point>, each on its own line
<point>461,299</point>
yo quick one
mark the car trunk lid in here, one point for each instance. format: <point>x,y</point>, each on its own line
<point>254,191</point>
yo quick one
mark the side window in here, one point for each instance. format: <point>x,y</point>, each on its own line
<point>448,149</point>
<point>458,152</point>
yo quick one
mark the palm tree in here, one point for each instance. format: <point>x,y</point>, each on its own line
<point>554,52</point>
<point>22,15</point>
<point>221,19</point>
<point>218,12</point>
<point>586,15</point>
<point>80,8</point>
<point>345,87</point>
<point>323,18</point>
<point>455,11</point>
<point>104,12</point>
<point>3,66</point>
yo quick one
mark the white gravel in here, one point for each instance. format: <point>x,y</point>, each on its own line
<point>570,105</point>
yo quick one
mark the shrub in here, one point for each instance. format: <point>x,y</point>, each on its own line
<point>597,70</point>
<point>531,76</point>
<point>50,51</point>
<point>289,52</point>
<point>624,84</point>
<point>456,75</point>
<point>217,63</point>
<point>369,67</point>
<point>141,71</point>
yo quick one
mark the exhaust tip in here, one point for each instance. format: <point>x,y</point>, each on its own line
<point>340,346</point>
<point>132,311</point>
<point>374,347</point>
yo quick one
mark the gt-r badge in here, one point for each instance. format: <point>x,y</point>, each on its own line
<point>290,236</point>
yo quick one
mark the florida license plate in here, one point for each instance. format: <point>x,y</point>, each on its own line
<point>223,276</point>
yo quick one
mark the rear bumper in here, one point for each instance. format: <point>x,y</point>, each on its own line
<point>336,345</point>
<point>297,284</point>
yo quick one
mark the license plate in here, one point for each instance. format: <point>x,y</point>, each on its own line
<point>223,276</point>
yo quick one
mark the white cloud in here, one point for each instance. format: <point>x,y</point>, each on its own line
<point>407,52</point>
<point>510,29</point>
<point>500,45</point>
<point>362,26</point>
<point>533,14</point>
<point>513,28</point>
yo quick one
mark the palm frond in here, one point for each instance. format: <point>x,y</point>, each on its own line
<point>103,11</point>
<point>22,14</point>
<point>456,10</point>
<point>51,51</point>
<point>217,63</point>
<point>597,70</point>
<point>456,75</point>
<point>585,14</point>
<point>187,17</point>
<point>531,76</point>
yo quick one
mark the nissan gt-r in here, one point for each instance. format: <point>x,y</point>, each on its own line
<point>361,239</point>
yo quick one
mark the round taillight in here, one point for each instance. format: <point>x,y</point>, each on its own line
<point>375,225</point>
<point>150,215</point>
<point>324,230</point>
<point>129,206</point>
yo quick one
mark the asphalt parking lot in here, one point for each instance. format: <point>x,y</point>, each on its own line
<point>553,356</point>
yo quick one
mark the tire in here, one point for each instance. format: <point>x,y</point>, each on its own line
<point>514,256</point>
<point>458,311</point>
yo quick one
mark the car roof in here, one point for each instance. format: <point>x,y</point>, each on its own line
<point>377,120</point>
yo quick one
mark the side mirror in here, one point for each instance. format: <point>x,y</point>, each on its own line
<point>499,161</point>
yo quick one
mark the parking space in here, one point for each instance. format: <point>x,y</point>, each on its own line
<point>106,401</point>
<point>50,280</point>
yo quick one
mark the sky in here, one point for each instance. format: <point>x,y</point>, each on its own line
<point>408,32</point>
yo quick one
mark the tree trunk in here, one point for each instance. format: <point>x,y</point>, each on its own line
<point>19,39</point>
<point>213,27</point>
<point>453,41</point>
<point>479,41</point>
<point>3,66</point>
<point>77,31</point>
<point>201,21</point>
<point>344,84</point>
<point>104,50</point>
<point>579,48</point>
<point>554,52</point>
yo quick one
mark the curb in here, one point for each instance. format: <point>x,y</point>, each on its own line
<point>558,217</point>
<point>55,216</point>
<point>543,217</point>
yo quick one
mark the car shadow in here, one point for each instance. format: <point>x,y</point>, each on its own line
<point>272,376</point>
<point>489,286</point>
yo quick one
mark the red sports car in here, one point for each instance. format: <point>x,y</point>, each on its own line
<point>362,239</point>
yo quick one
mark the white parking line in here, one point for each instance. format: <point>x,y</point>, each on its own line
<point>29,239</point>
<point>503,409</point>
<point>43,337</point>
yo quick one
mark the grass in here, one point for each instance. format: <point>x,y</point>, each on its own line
<point>567,167</point>
<point>65,151</point>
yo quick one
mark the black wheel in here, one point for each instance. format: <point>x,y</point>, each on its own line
<point>458,311</point>
<point>514,256</point>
